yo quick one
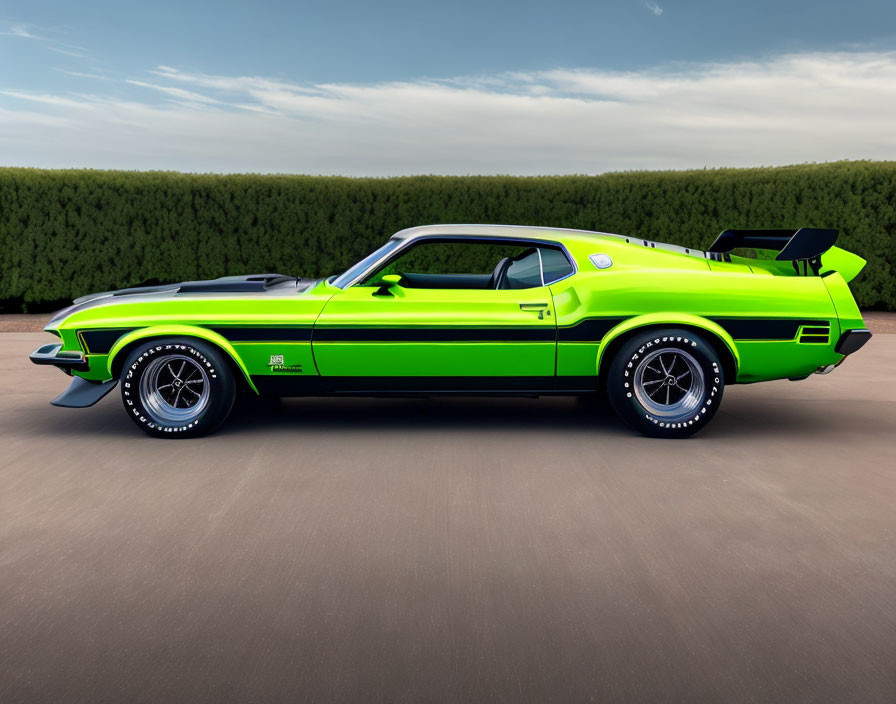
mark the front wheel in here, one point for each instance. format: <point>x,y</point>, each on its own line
<point>177,388</point>
<point>666,383</point>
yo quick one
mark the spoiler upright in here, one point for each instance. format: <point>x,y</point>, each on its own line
<point>804,244</point>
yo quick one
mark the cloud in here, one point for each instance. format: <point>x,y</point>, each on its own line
<point>787,109</point>
<point>81,74</point>
<point>25,32</point>
<point>22,30</point>
<point>653,7</point>
<point>67,52</point>
<point>180,93</point>
<point>48,99</point>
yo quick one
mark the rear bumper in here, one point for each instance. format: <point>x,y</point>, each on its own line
<point>852,341</point>
<point>54,356</point>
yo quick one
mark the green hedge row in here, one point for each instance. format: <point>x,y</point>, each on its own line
<point>67,233</point>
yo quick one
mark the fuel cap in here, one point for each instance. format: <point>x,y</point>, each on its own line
<point>601,261</point>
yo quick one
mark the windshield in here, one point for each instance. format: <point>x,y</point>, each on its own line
<point>356,270</point>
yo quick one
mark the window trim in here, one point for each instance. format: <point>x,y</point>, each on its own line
<point>569,260</point>
<point>384,261</point>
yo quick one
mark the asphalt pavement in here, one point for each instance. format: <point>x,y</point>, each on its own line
<point>464,550</point>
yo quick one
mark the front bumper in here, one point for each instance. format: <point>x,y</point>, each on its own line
<point>81,393</point>
<point>54,356</point>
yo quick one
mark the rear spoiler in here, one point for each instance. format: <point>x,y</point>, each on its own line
<point>804,244</point>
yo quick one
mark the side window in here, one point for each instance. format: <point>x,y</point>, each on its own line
<point>555,265</point>
<point>451,264</point>
<point>524,271</point>
<point>474,264</point>
<point>451,258</point>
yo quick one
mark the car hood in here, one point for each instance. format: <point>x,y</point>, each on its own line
<point>247,283</point>
<point>244,284</point>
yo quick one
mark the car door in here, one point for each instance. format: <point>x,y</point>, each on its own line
<point>421,336</point>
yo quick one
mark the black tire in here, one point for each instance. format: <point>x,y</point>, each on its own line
<point>177,388</point>
<point>648,387</point>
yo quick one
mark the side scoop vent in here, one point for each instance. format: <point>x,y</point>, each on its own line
<point>816,334</point>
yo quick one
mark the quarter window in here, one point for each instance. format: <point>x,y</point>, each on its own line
<point>524,271</point>
<point>555,265</point>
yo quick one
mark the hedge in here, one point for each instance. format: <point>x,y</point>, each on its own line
<point>67,233</point>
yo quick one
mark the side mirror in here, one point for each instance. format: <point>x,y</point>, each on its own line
<point>386,283</point>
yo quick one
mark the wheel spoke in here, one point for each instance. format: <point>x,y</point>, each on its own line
<point>669,383</point>
<point>162,390</point>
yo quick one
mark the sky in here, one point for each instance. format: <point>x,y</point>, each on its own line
<point>395,87</point>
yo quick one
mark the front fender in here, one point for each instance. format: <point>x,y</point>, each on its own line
<point>179,331</point>
<point>667,319</point>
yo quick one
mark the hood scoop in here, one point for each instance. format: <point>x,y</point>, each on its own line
<point>247,283</point>
<point>236,284</point>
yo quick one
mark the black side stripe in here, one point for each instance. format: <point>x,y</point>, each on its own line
<point>422,334</point>
<point>102,341</point>
<point>763,328</point>
<point>588,330</point>
<point>264,334</point>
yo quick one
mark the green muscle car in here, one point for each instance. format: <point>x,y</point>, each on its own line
<point>477,309</point>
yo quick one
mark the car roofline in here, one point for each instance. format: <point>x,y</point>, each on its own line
<point>508,231</point>
<point>521,233</point>
<point>551,234</point>
<point>513,232</point>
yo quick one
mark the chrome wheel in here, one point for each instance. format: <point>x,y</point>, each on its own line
<point>174,389</point>
<point>669,383</point>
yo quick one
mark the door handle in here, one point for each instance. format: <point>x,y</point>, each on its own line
<point>541,308</point>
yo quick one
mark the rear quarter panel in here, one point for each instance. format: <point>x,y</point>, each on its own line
<point>677,288</point>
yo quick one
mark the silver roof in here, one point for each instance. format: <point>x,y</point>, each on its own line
<point>511,231</point>
<point>535,233</point>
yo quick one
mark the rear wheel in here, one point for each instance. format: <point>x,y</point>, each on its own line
<point>177,388</point>
<point>666,383</point>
